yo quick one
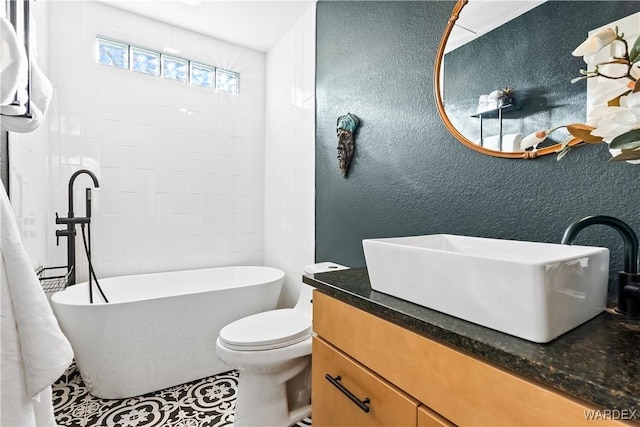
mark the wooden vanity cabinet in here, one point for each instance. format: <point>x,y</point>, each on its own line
<point>381,403</point>
<point>412,380</point>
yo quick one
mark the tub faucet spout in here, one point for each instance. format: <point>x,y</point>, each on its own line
<point>72,181</point>
<point>629,279</point>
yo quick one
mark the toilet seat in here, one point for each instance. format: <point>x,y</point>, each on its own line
<point>267,331</point>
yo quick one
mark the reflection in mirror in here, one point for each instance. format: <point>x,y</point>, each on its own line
<point>505,70</point>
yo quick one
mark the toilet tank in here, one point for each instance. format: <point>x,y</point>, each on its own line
<point>306,291</point>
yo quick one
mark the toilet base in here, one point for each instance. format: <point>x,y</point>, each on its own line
<point>263,398</point>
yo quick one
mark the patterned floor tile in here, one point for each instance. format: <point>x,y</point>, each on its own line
<point>209,402</point>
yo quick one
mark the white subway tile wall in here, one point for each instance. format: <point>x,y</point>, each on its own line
<point>290,154</point>
<point>153,146</point>
<point>182,169</point>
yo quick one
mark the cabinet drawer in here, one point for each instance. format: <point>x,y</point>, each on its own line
<point>387,406</point>
<point>428,418</point>
<point>460,387</point>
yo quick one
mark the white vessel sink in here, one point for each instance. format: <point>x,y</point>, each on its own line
<point>535,291</point>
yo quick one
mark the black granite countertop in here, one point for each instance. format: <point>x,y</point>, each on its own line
<point>598,361</point>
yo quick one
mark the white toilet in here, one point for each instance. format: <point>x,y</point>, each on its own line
<point>272,351</point>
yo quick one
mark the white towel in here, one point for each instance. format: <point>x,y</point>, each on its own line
<point>13,63</point>
<point>18,109</point>
<point>34,351</point>
<point>20,106</point>
<point>41,93</point>
<point>13,80</point>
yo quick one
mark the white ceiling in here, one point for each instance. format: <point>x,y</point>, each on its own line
<point>254,24</point>
<point>481,16</point>
<point>259,24</point>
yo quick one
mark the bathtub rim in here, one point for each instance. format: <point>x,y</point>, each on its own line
<point>98,302</point>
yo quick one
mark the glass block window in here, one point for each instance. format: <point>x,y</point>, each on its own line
<point>227,80</point>
<point>112,53</point>
<point>145,61</point>
<point>202,75</point>
<point>175,68</point>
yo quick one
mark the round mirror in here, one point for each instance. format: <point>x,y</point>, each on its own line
<point>503,70</point>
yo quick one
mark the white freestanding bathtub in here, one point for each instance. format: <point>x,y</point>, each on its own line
<point>159,330</point>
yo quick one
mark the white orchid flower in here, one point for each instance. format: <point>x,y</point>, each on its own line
<point>532,140</point>
<point>615,116</point>
<point>615,121</point>
<point>635,70</point>
<point>594,116</point>
<point>613,69</point>
<point>630,103</point>
<point>609,122</point>
<point>595,42</point>
<point>607,89</point>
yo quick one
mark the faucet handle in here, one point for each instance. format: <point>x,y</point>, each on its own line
<point>58,234</point>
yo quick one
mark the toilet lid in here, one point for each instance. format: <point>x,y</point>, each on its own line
<point>268,330</point>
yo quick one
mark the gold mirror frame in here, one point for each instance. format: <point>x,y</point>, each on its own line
<point>552,149</point>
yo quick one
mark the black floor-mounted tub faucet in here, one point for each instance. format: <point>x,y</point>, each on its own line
<point>71,220</point>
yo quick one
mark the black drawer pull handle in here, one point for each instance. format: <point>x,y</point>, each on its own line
<point>362,404</point>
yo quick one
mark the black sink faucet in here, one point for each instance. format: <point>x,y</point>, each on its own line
<point>71,220</point>
<point>629,279</point>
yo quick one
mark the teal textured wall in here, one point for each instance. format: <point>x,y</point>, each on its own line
<point>409,176</point>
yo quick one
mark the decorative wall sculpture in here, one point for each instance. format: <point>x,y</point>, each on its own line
<point>346,128</point>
